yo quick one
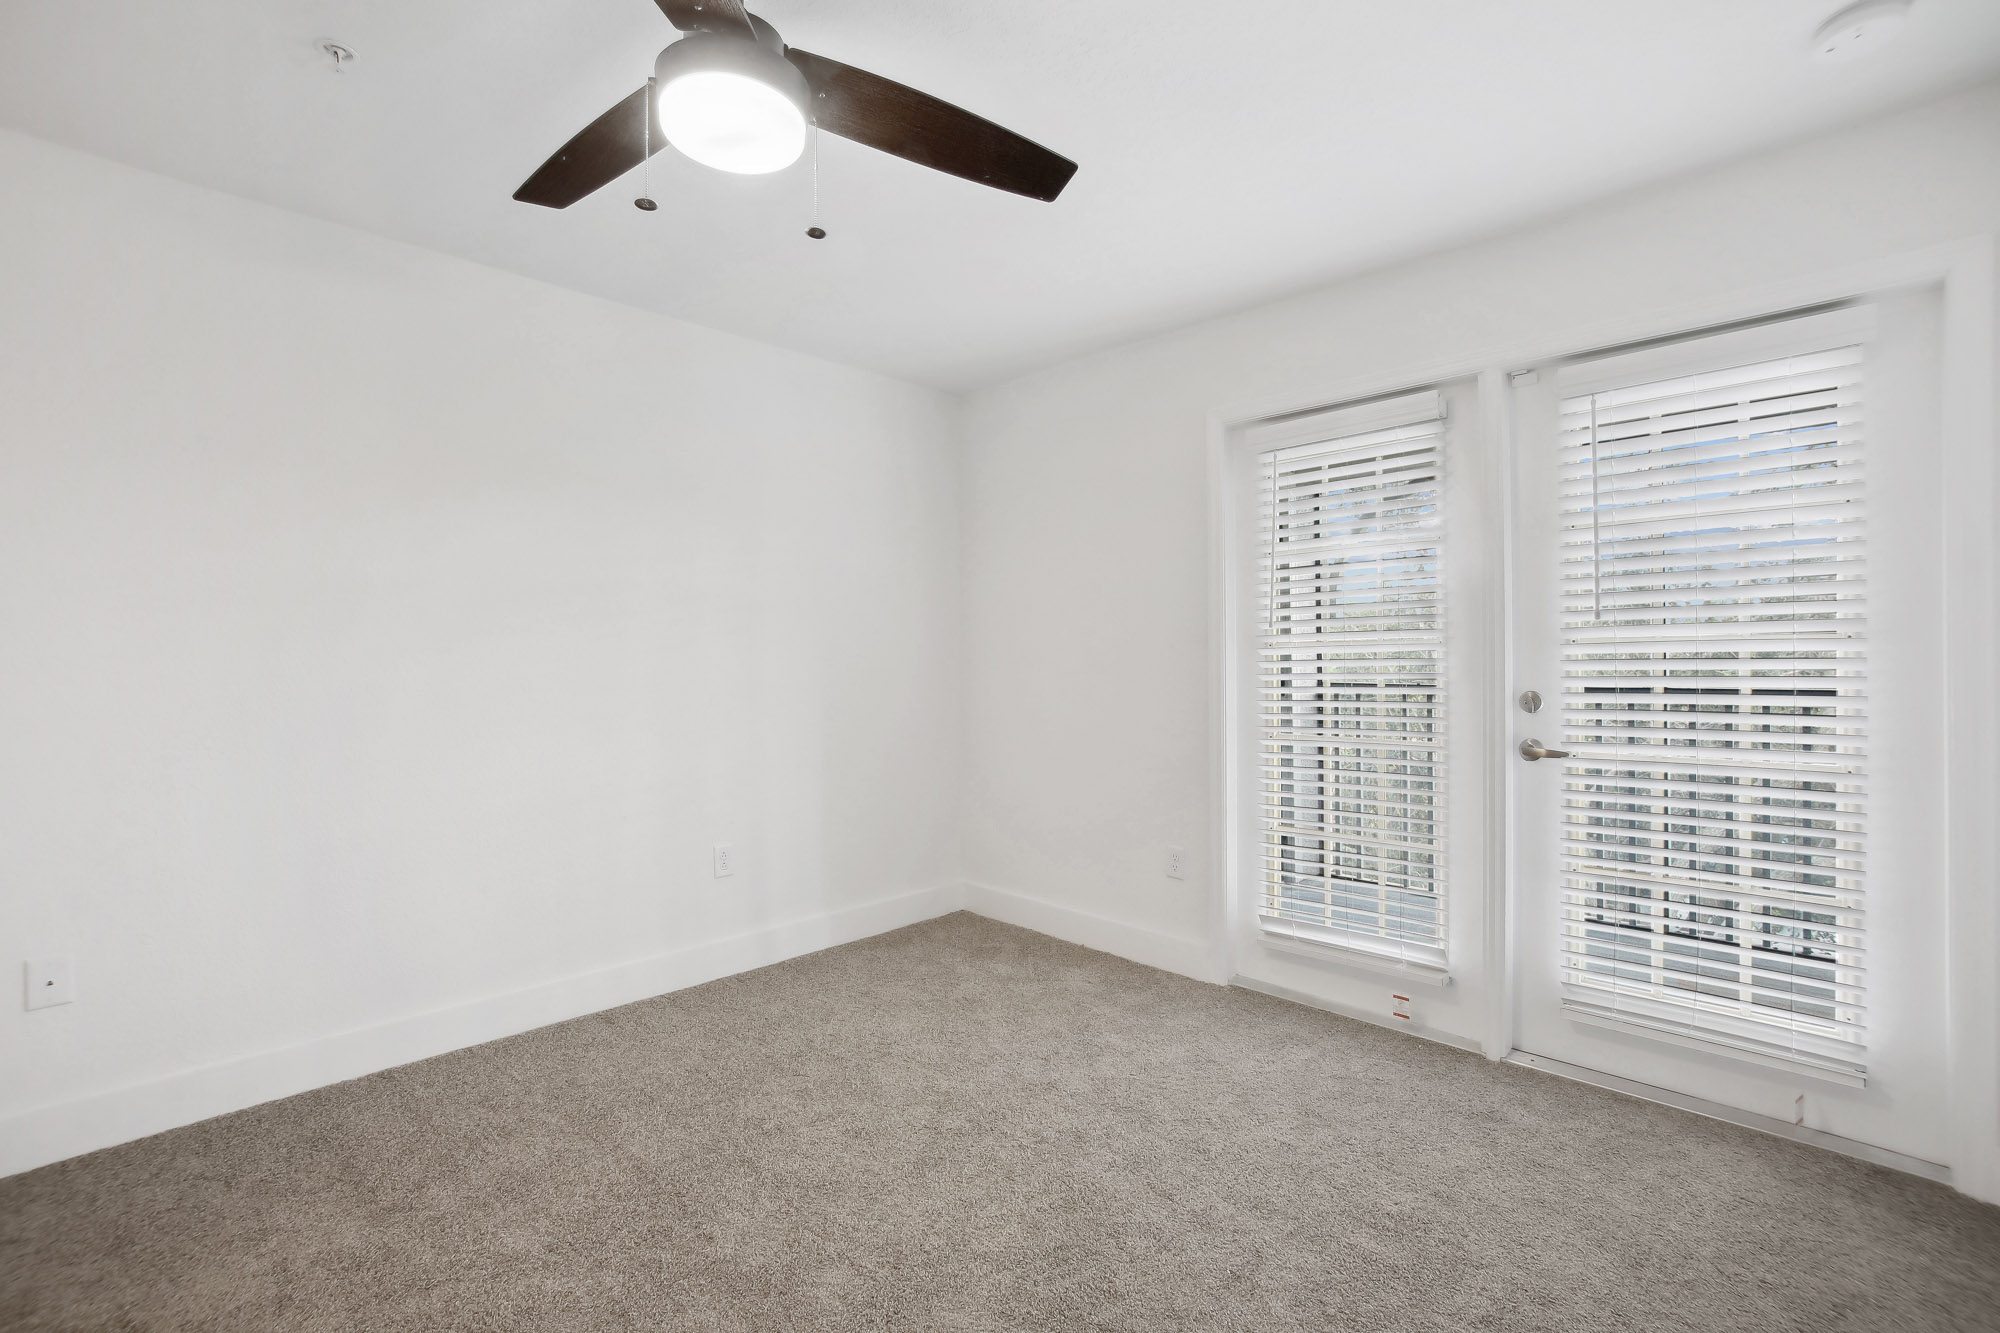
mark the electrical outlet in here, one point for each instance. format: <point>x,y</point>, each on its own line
<point>51,981</point>
<point>1401,1008</point>
<point>1176,863</point>
<point>725,860</point>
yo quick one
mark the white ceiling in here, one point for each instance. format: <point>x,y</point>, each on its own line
<point>1230,152</point>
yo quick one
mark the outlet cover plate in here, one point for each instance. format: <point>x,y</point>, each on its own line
<point>725,860</point>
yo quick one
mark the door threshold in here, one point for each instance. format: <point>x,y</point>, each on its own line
<point>1765,1124</point>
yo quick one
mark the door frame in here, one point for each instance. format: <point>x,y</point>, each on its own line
<point>1965,273</point>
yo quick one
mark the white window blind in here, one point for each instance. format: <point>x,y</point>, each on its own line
<point>1713,589</point>
<point>1350,683</point>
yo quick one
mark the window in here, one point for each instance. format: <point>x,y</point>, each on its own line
<point>1351,713</point>
<point>1714,601</point>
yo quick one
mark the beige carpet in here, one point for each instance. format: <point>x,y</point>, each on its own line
<point>965,1126</point>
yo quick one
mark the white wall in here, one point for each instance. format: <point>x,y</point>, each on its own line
<point>1092,672</point>
<point>381,634</point>
<point>384,640</point>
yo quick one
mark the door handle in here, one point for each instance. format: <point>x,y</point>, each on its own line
<point>1531,750</point>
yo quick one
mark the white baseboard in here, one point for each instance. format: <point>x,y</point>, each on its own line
<point>52,1133</point>
<point>1819,1138</point>
<point>1169,953</point>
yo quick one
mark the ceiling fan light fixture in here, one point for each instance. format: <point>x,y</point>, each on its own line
<point>757,121</point>
<point>732,104</point>
<point>732,122</point>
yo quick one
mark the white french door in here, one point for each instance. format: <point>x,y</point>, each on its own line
<point>1726,589</point>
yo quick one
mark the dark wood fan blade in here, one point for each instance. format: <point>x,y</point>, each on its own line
<point>601,152</point>
<point>881,113</point>
<point>708,15</point>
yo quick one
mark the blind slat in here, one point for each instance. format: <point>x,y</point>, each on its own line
<point>1713,590</point>
<point>1350,702</point>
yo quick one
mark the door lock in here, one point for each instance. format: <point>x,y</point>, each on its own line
<point>1531,750</point>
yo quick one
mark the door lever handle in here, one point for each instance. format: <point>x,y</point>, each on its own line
<point>1532,750</point>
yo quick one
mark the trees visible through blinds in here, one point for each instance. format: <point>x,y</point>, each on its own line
<point>1713,607</point>
<point>1350,686</point>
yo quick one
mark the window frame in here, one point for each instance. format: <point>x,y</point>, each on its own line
<point>1466,847</point>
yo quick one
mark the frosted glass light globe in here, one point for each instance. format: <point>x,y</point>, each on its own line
<point>732,122</point>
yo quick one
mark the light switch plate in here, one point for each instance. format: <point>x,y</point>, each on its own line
<point>51,981</point>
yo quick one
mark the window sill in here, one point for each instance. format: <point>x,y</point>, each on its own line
<point>1286,937</point>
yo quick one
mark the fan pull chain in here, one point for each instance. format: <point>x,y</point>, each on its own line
<point>815,231</point>
<point>645,200</point>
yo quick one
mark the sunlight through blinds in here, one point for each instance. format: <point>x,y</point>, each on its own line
<point>1714,590</point>
<point>1350,684</point>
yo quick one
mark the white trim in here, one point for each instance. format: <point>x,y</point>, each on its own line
<point>52,1133</point>
<point>1496,401</point>
<point>1778,337</point>
<point>1169,953</point>
<point>1970,437</point>
<point>1277,992</point>
<point>1410,409</point>
<point>1231,615</point>
<point>1224,773</point>
<point>1677,1033</point>
<point>1302,944</point>
<point>1764,1124</point>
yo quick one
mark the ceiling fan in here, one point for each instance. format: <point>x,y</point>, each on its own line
<point>733,96</point>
